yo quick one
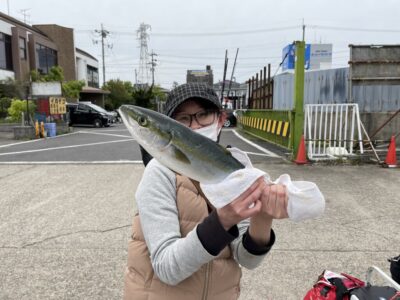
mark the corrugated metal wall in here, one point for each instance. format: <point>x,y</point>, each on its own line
<point>377,98</point>
<point>331,86</point>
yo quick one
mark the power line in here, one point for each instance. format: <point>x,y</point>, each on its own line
<point>205,34</point>
<point>216,57</point>
<point>354,29</point>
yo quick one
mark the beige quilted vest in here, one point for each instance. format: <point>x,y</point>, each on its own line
<point>217,280</point>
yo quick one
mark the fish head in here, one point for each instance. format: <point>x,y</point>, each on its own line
<point>146,126</point>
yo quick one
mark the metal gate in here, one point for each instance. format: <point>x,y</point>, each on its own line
<point>332,130</point>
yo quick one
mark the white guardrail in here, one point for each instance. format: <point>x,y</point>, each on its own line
<point>332,130</point>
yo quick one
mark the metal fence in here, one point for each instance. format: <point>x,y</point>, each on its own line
<point>332,130</point>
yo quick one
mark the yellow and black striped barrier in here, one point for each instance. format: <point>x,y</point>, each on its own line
<point>280,128</point>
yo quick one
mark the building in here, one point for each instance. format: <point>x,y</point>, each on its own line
<point>202,76</point>
<point>234,93</point>
<point>87,69</point>
<point>76,63</point>
<point>24,48</point>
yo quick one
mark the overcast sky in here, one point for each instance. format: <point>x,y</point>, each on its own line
<point>190,34</point>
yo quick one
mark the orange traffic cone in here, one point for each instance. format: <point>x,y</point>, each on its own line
<point>301,153</point>
<point>391,159</point>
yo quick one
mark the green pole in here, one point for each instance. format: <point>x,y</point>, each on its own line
<point>298,96</point>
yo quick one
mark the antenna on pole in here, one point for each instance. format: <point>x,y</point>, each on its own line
<point>143,36</point>
<point>23,12</point>
<point>304,30</point>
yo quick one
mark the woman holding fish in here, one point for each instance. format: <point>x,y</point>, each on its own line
<point>183,247</point>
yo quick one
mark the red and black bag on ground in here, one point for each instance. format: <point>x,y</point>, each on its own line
<point>333,286</point>
<point>395,268</point>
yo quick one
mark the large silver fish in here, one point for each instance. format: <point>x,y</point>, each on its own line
<point>177,146</point>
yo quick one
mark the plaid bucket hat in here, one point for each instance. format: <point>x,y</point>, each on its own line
<point>190,90</point>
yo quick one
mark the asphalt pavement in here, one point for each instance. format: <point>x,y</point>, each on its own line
<point>112,145</point>
<point>64,227</point>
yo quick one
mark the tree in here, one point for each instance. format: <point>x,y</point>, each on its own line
<point>120,93</point>
<point>146,97</point>
<point>5,103</point>
<point>56,73</point>
<point>10,89</point>
<point>72,89</point>
<point>19,106</point>
<point>142,97</point>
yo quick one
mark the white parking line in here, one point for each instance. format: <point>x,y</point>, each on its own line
<point>65,147</point>
<point>269,153</point>
<point>257,154</point>
<point>111,130</point>
<point>37,140</point>
<point>107,134</point>
<point>105,162</point>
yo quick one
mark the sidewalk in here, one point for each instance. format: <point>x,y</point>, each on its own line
<point>64,230</point>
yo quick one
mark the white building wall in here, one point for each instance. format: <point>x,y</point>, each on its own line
<point>4,74</point>
<point>82,61</point>
<point>5,27</point>
<point>81,73</point>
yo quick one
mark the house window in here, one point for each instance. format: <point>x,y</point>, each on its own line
<point>22,48</point>
<point>5,52</point>
<point>46,58</point>
<point>92,77</point>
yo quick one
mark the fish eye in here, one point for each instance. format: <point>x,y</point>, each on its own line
<point>142,121</point>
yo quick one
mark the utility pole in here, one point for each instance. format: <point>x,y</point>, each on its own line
<point>153,64</point>
<point>233,71</point>
<point>298,96</point>
<point>135,76</point>
<point>8,7</point>
<point>304,31</point>
<point>224,77</point>
<point>103,34</point>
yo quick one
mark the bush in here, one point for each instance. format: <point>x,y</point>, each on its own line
<point>5,103</point>
<point>19,106</point>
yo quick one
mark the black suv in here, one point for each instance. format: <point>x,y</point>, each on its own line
<point>230,119</point>
<point>87,113</point>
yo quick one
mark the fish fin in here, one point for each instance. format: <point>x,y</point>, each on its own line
<point>181,156</point>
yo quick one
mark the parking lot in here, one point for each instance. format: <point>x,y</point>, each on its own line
<point>65,226</point>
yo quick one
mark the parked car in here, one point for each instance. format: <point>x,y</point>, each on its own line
<point>87,113</point>
<point>114,116</point>
<point>230,120</point>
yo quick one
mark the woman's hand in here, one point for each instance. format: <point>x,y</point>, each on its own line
<point>274,199</point>
<point>245,206</point>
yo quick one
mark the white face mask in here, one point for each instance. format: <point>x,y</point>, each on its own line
<point>210,131</point>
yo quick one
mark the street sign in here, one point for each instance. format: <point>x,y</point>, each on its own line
<point>57,105</point>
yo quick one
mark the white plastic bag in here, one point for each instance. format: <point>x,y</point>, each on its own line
<point>305,201</point>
